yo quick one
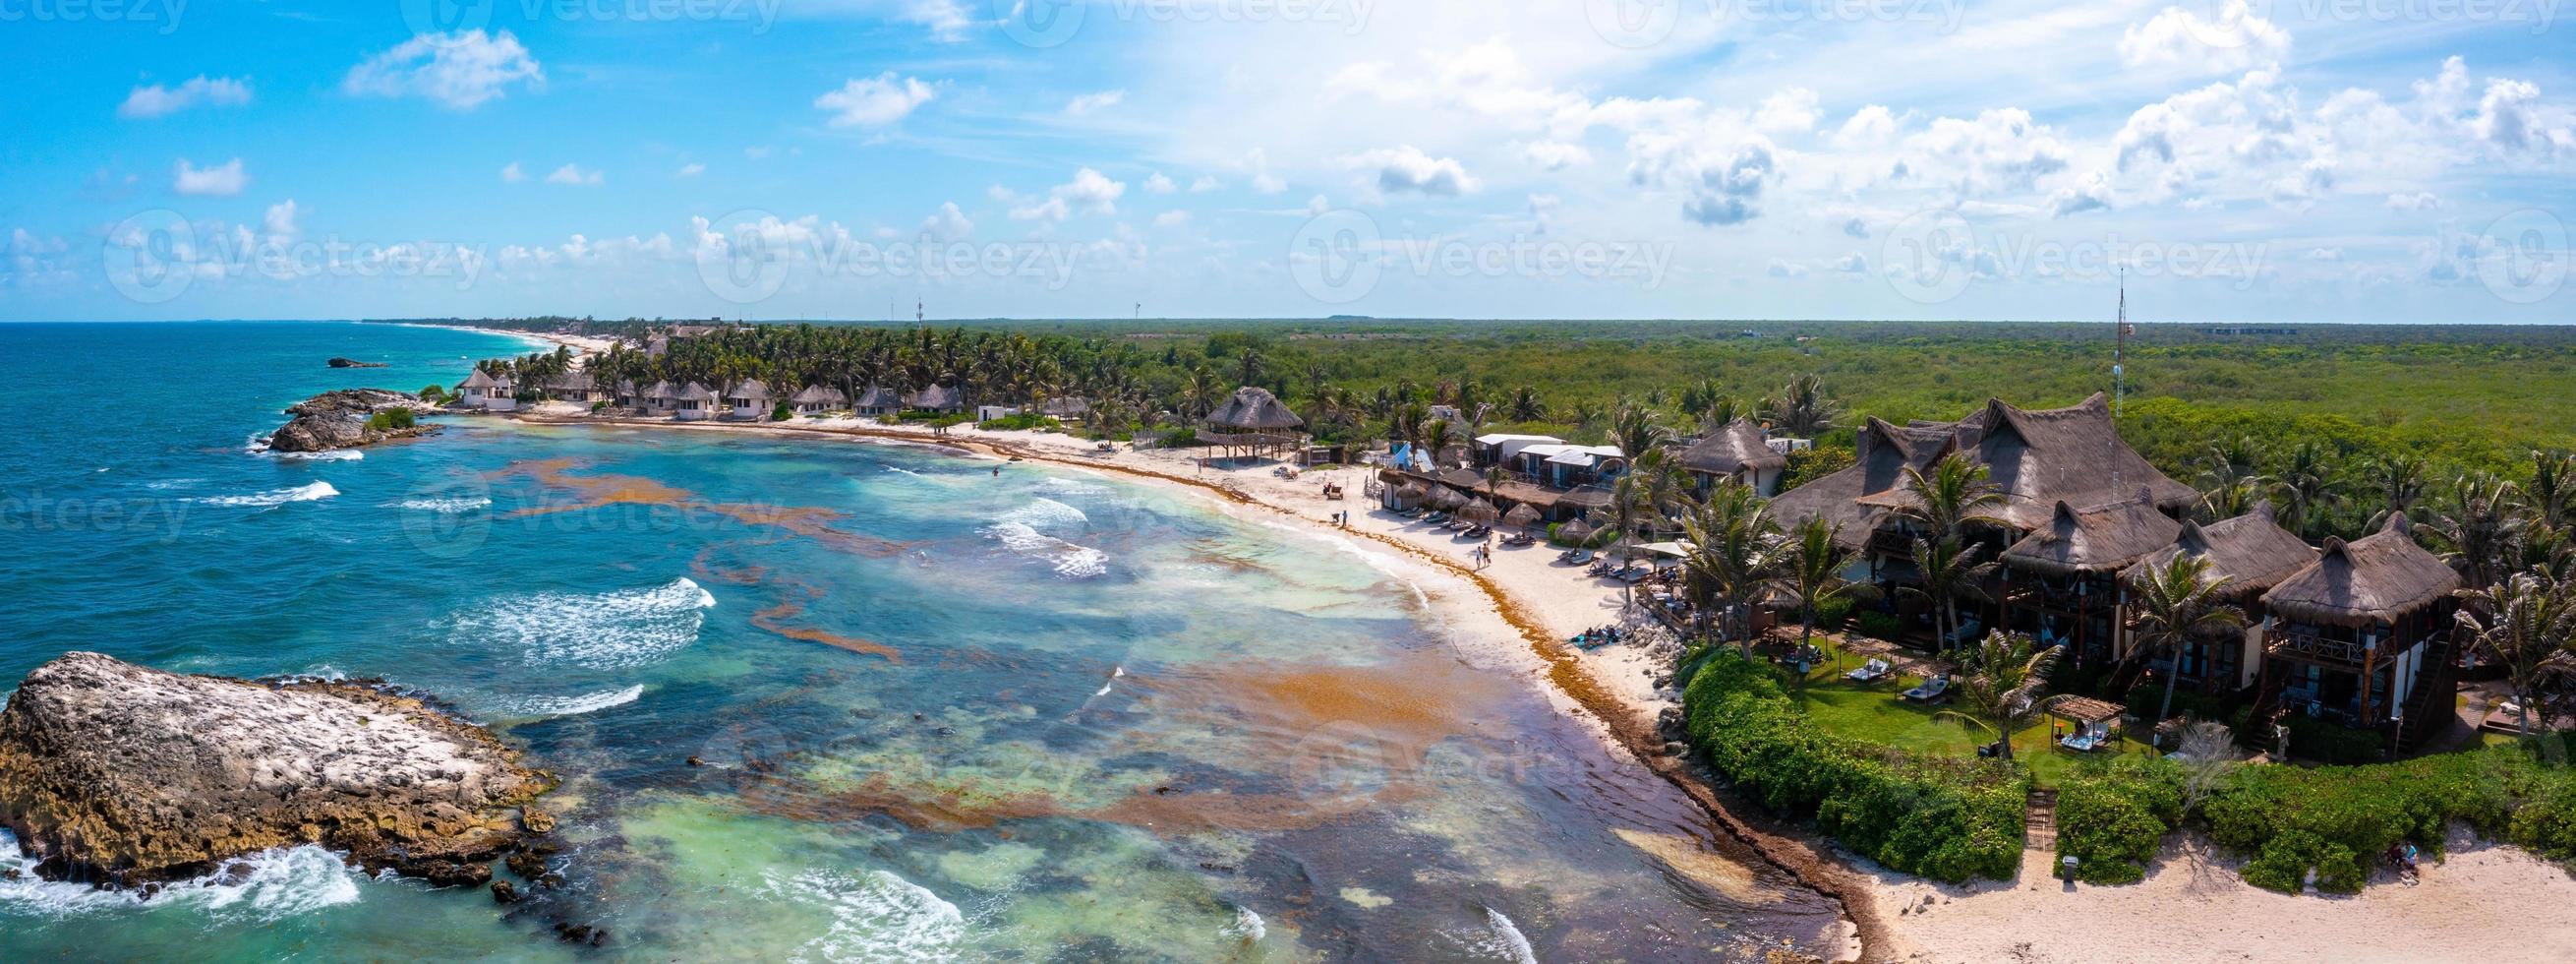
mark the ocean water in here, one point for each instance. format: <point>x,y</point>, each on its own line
<point>942,715</point>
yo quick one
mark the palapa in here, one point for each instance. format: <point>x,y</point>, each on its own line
<point>2374,579</point>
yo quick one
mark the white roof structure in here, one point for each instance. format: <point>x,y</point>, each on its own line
<point>1507,445</point>
<point>1584,455</point>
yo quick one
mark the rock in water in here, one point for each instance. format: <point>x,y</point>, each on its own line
<point>354,363</point>
<point>339,420</point>
<point>121,774</point>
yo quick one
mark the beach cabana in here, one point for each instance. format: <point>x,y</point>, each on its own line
<point>1523,515</point>
<point>2245,556</point>
<point>2091,723</point>
<point>817,399</point>
<point>2358,636</point>
<point>1405,497</point>
<point>1252,423</point>
<point>1737,451</point>
<point>750,399</point>
<point>1479,510</point>
<point>1447,499</point>
<point>576,387</point>
<point>692,402</point>
<point>1574,533</point>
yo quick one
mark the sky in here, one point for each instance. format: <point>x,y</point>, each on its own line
<point>2279,161</point>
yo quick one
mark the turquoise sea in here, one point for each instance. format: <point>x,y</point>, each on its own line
<point>943,715</point>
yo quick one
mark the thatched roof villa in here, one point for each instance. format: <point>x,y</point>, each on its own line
<point>1737,450</point>
<point>1251,423</point>
<point>817,399</point>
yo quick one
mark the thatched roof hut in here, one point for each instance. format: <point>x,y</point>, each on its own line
<point>1443,497</point>
<point>2374,579</point>
<point>1479,510</point>
<point>2102,538</point>
<point>1252,410</point>
<point>2040,457</point>
<point>819,396</point>
<point>2083,709</point>
<point>2251,551</point>
<point>1576,532</point>
<point>1736,447</point>
<point>1523,515</point>
<point>1406,496</point>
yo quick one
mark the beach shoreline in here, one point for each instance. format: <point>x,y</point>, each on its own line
<point>1521,607</point>
<point>583,346</point>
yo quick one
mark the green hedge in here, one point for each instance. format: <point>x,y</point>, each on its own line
<point>2144,698</point>
<point>1879,625</point>
<point>1945,817</point>
<point>2113,818</point>
<point>2330,742</point>
<point>2339,819</point>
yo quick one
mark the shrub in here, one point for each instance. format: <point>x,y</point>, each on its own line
<point>781,413</point>
<point>2113,818</point>
<point>1831,615</point>
<point>433,393</point>
<point>1025,421</point>
<point>2338,819</point>
<point>1880,625</point>
<point>390,419</point>
<point>1180,438</point>
<point>1948,818</point>
<point>2144,698</point>
<point>2322,740</point>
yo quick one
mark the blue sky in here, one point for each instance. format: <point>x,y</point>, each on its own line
<point>2293,160</point>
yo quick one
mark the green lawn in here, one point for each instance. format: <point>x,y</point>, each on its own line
<point>1877,714</point>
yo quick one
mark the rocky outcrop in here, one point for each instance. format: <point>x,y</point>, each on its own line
<point>123,775</point>
<point>354,363</point>
<point>342,419</point>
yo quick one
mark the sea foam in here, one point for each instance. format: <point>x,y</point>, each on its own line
<point>303,493</point>
<point>1070,561</point>
<point>876,917</point>
<point>609,630</point>
<point>578,705</point>
<point>448,506</point>
<point>264,887</point>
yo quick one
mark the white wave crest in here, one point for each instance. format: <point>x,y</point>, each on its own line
<point>302,493</point>
<point>167,484</point>
<point>448,506</point>
<point>1064,486</point>
<point>1071,561</point>
<point>609,630</point>
<point>263,887</point>
<point>334,455</point>
<point>1047,513</point>
<point>1514,944</point>
<point>876,917</point>
<point>1247,927</point>
<point>578,705</point>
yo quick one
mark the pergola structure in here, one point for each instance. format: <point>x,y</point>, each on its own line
<point>1252,424</point>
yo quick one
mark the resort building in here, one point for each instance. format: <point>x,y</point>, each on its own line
<point>750,399</point>
<point>1071,406</point>
<point>662,399</point>
<point>692,403</point>
<point>878,400</point>
<point>1738,451</point>
<point>2246,556</point>
<point>817,399</point>
<point>2361,637</point>
<point>1501,448</point>
<point>987,413</point>
<point>1564,466</point>
<point>485,391</point>
<point>2061,583</point>
<point>937,398</point>
<point>1253,423</point>
<point>576,386</point>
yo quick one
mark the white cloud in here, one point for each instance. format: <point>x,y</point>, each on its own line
<point>1171,219</point>
<point>1869,126</point>
<point>1089,103</point>
<point>1090,192</point>
<point>222,180</point>
<point>281,217</point>
<point>574,175</point>
<point>1158,184</point>
<point>947,19</point>
<point>1852,264</point>
<point>2092,192</point>
<point>1205,183</point>
<point>511,174</point>
<point>2418,201</point>
<point>1555,155</point>
<point>875,101</point>
<point>1791,111</point>
<point>159,101</point>
<point>1406,168</point>
<point>1786,269</point>
<point>691,170</point>
<point>458,71</point>
<point>1998,152</point>
<point>948,224</point>
<point>2235,39</point>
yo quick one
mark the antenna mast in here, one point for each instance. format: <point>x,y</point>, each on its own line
<point>2120,349</point>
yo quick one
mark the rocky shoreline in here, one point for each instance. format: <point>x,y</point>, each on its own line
<point>125,776</point>
<point>345,419</point>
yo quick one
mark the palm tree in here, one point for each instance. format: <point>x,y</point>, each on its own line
<point>2173,604</point>
<point>2001,694</point>
<point>1634,430</point>
<point>1956,492</point>
<point>2481,529</point>
<point>1248,366</point>
<point>1802,408</point>
<point>1720,410</point>
<point>1525,405</point>
<point>2230,500</point>
<point>1203,390</point>
<point>2553,485</point>
<point>1946,572</point>
<point>2310,491</point>
<point>1729,560</point>
<point>1437,436</point>
<point>1810,569</point>
<point>2527,619</point>
<point>2397,482</point>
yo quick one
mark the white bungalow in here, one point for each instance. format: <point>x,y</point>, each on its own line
<point>817,399</point>
<point>1503,447</point>
<point>487,392</point>
<point>692,403</point>
<point>879,400</point>
<point>936,398</point>
<point>987,413</point>
<point>750,399</point>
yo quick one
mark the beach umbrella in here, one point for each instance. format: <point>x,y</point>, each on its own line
<point>1447,498</point>
<point>1479,511</point>
<point>1574,533</point>
<point>1522,515</point>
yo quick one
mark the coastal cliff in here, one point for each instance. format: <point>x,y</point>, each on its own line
<point>346,419</point>
<point>123,775</point>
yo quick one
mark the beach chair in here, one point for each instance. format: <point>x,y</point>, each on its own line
<point>1932,691</point>
<point>1870,672</point>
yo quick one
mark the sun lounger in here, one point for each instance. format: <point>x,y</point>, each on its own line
<point>1932,691</point>
<point>1870,672</point>
<point>2080,742</point>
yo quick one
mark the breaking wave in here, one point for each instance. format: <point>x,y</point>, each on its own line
<point>875,917</point>
<point>449,506</point>
<point>1047,513</point>
<point>1070,561</point>
<point>609,630</point>
<point>578,705</point>
<point>302,493</point>
<point>267,886</point>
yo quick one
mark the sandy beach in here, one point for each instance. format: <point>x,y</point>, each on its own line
<point>1513,615</point>
<point>583,346</point>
